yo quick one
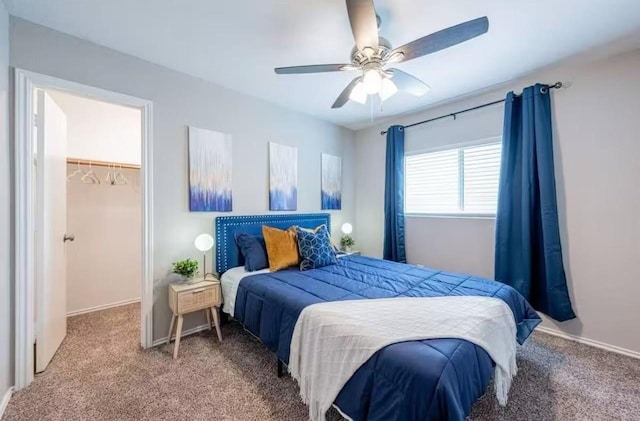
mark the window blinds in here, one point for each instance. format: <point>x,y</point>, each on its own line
<point>453,181</point>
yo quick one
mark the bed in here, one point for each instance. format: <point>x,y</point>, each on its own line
<point>416,380</point>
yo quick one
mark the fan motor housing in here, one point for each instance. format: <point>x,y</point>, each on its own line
<point>360,57</point>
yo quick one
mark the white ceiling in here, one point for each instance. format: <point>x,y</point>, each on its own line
<point>237,43</point>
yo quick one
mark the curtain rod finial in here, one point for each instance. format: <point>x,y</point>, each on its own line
<point>556,85</point>
<point>565,84</point>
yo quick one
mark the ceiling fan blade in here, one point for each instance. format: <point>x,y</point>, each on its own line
<point>314,68</point>
<point>407,83</point>
<point>344,96</point>
<point>443,39</point>
<point>364,24</point>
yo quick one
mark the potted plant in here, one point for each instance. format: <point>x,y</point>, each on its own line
<point>346,242</point>
<point>187,268</point>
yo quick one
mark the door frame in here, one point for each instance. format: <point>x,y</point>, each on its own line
<point>25,218</point>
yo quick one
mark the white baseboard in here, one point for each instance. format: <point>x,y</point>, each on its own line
<point>5,401</point>
<point>590,342</point>
<point>184,333</point>
<point>102,307</point>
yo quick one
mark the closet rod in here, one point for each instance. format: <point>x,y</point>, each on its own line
<point>107,164</point>
<point>544,90</point>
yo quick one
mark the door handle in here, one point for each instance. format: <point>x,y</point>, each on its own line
<point>69,238</point>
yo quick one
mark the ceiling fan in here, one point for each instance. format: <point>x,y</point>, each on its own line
<point>373,53</point>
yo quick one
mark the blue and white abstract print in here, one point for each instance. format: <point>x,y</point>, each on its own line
<point>210,161</point>
<point>331,182</point>
<point>283,177</point>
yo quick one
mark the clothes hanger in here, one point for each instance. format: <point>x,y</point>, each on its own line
<point>110,178</point>
<point>90,177</point>
<point>116,177</point>
<point>76,172</point>
<point>120,177</point>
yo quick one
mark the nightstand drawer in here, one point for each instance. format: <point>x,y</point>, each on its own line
<point>197,299</point>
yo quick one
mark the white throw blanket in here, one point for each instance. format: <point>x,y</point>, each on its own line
<point>332,340</point>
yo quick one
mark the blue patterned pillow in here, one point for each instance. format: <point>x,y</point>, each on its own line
<point>315,248</point>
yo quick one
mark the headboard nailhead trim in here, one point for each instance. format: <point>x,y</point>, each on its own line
<point>225,245</point>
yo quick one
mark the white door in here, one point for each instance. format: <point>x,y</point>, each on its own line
<point>51,225</point>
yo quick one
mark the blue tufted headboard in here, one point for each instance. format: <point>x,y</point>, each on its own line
<point>227,253</point>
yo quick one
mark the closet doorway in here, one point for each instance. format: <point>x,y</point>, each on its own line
<point>103,210</point>
<point>83,184</point>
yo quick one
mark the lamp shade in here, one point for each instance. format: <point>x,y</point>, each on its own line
<point>347,228</point>
<point>204,242</point>
<point>387,89</point>
<point>359,93</point>
<point>371,81</point>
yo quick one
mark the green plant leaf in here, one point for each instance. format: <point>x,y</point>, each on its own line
<point>347,241</point>
<point>187,268</point>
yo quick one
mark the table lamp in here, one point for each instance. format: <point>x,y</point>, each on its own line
<point>204,243</point>
<point>347,228</point>
<point>346,241</point>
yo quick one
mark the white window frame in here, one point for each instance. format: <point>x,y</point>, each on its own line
<point>463,215</point>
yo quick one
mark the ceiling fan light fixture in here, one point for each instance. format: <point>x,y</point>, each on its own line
<point>387,89</point>
<point>372,81</point>
<point>358,93</point>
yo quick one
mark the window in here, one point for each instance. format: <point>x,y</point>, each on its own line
<point>460,181</point>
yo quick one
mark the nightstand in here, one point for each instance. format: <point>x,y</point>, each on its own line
<point>188,298</point>
<point>348,253</point>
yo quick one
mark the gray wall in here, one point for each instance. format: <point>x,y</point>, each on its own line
<point>597,172</point>
<point>6,348</point>
<point>180,100</point>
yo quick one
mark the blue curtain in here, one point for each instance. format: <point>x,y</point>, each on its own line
<point>394,196</point>
<point>528,251</point>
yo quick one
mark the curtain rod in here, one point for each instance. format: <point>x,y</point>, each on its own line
<point>544,90</point>
<point>107,164</point>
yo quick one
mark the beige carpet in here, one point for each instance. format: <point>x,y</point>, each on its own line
<point>99,373</point>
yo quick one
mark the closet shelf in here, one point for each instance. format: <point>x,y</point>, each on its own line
<point>102,163</point>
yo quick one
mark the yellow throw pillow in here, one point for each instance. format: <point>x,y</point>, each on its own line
<point>282,247</point>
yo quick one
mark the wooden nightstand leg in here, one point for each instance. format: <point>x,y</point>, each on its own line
<point>206,311</point>
<point>173,320</point>
<point>178,335</point>
<point>216,320</point>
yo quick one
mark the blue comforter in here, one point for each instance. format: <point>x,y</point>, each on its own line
<point>435,379</point>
